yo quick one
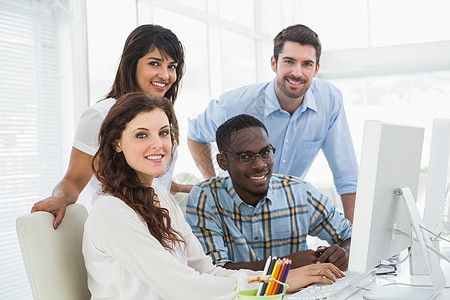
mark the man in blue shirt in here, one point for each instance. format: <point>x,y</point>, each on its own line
<point>303,114</point>
<point>243,218</point>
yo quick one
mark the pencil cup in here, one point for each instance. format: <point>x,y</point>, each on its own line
<point>251,294</point>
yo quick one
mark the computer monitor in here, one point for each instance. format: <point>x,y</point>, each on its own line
<point>387,186</point>
<point>436,215</point>
<point>390,159</point>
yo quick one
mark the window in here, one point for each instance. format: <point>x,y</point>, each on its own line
<point>389,58</point>
<point>29,142</point>
<point>222,49</point>
<point>413,99</point>
<point>221,54</point>
<point>360,24</point>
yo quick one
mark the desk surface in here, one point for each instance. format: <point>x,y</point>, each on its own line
<point>405,277</point>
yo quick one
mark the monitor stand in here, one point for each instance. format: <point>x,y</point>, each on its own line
<point>431,260</point>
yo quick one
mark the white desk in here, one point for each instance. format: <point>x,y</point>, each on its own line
<point>404,277</point>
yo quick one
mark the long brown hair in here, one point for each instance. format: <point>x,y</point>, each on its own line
<point>139,43</point>
<point>119,179</point>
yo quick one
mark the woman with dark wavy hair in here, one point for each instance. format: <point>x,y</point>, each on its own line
<point>152,61</point>
<point>131,181</point>
<point>136,243</point>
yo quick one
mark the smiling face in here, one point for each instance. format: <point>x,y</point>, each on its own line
<point>155,73</point>
<point>146,144</point>
<point>295,69</point>
<point>250,181</point>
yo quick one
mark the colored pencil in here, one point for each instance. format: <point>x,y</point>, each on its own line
<point>278,277</point>
<point>275,271</point>
<point>280,273</point>
<point>269,271</point>
<point>283,276</point>
<point>266,268</point>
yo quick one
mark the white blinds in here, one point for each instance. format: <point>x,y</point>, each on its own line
<point>29,126</point>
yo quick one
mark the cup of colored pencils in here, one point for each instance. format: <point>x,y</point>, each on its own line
<point>272,284</point>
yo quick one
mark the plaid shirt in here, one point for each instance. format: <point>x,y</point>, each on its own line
<point>232,231</point>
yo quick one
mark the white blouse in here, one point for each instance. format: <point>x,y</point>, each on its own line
<point>124,261</point>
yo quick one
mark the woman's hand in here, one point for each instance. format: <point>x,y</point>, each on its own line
<point>321,272</point>
<point>55,205</point>
<point>69,188</point>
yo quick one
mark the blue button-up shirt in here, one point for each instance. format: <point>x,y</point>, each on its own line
<point>232,231</point>
<point>318,123</point>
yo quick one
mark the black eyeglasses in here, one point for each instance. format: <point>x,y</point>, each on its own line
<point>247,158</point>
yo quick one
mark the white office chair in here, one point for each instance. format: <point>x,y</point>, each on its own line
<point>53,258</point>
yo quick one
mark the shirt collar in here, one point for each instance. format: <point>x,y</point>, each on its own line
<point>238,201</point>
<point>309,101</point>
<point>271,100</point>
<point>230,190</point>
<point>270,192</point>
<point>272,104</point>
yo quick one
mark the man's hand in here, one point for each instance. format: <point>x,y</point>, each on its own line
<point>303,258</point>
<point>333,254</point>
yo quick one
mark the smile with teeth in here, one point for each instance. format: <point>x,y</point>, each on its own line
<point>154,157</point>
<point>257,178</point>
<point>159,84</point>
<point>294,82</point>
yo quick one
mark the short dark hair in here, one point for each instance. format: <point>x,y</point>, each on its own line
<point>300,34</point>
<point>235,124</point>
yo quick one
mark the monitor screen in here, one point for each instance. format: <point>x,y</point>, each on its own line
<point>390,159</point>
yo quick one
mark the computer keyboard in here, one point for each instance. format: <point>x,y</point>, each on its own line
<point>341,289</point>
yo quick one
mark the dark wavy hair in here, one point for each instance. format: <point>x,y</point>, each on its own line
<point>139,43</point>
<point>300,34</point>
<point>119,179</point>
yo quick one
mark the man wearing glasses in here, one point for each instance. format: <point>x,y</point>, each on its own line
<point>243,218</point>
